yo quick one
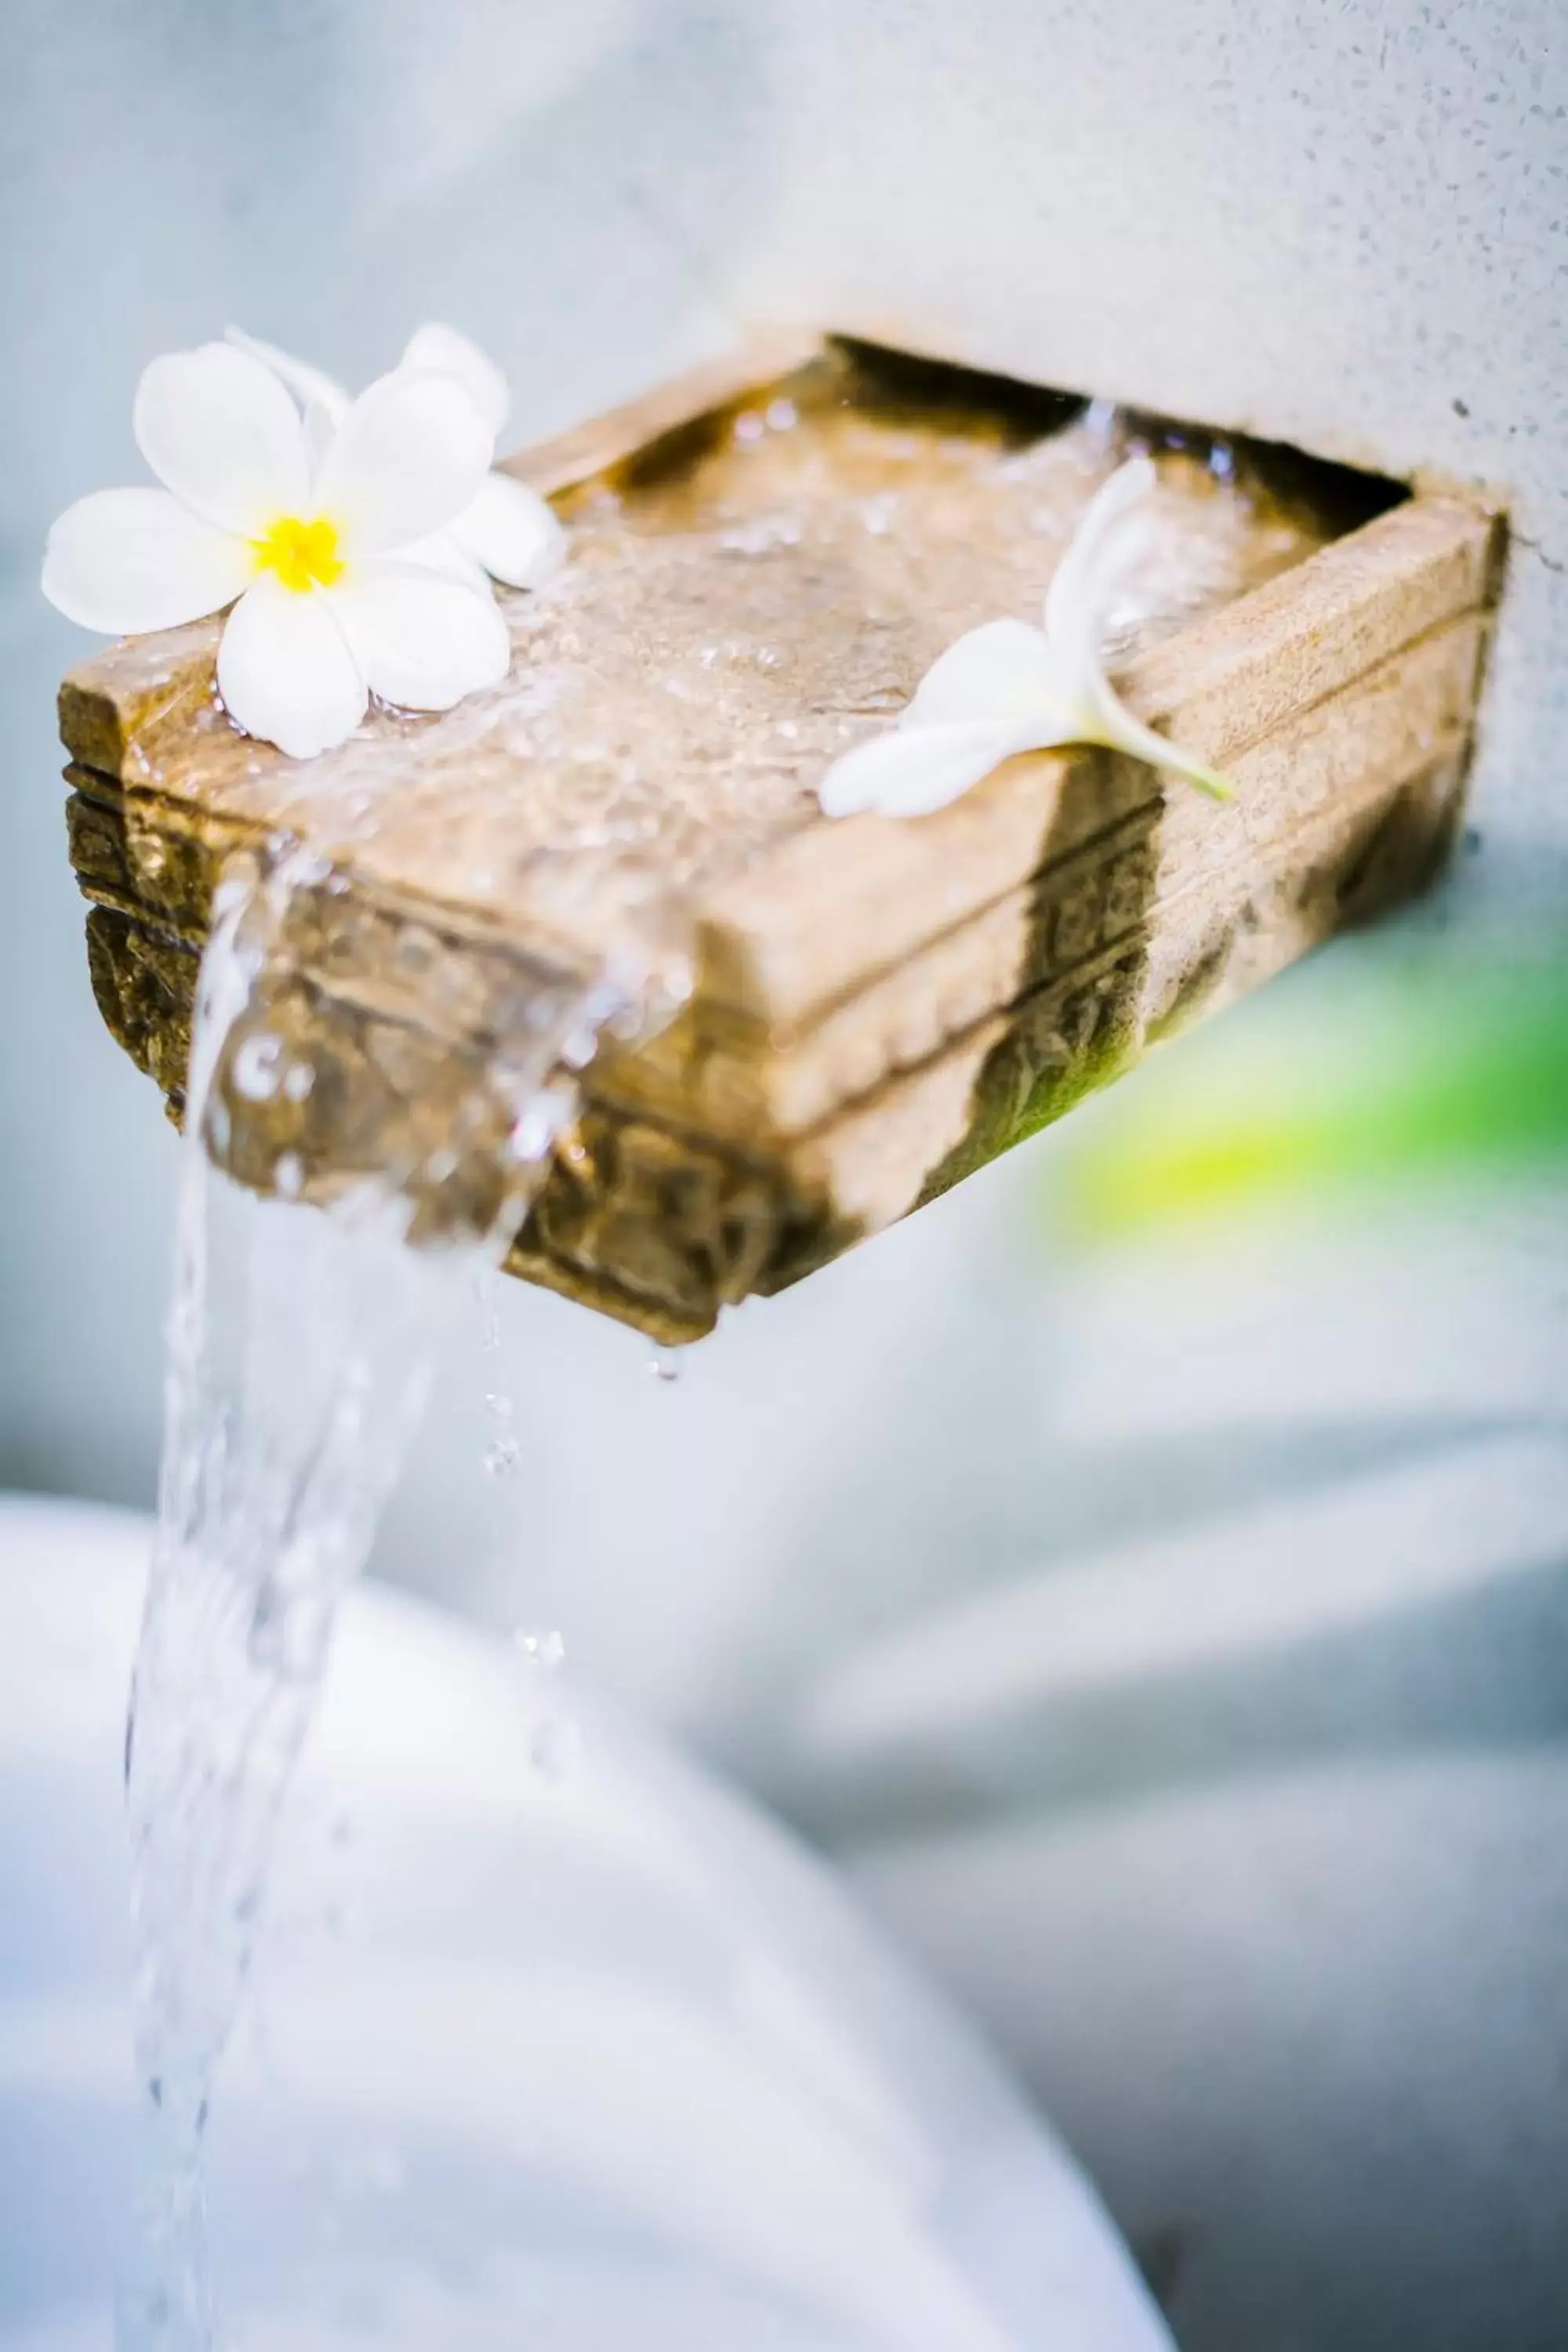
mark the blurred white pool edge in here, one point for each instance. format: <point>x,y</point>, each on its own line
<point>587,2044</point>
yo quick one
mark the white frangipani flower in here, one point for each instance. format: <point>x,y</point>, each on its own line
<point>1008,688</point>
<point>506,529</point>
<point>321,540</point>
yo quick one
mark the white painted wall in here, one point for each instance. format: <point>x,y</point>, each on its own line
<point>1277,1923</point>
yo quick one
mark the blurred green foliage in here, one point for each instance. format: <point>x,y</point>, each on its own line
<point>1437,1067</point>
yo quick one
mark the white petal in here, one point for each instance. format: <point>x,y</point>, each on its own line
<point>1003,670</point>
<point>219,430</point>
<point>443,552</point>
<point>512,532</point>
<point>284,671</point>
<point>128,561</point>
<point>913,771</point>
<point>421,638</point>
<point>321,426</point>
<point>310,387</point>
<point>442,351</point>
<point>1085,579</point>
<point>407,458</point>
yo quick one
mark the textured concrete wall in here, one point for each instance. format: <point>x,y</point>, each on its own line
<point>1178,1645</point>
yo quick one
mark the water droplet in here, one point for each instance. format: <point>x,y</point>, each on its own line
<point>289,1175</point>
<point>547,1648</point>
<point>543,1121</point>
<point>664,1364</point>
<point>502,1455</point>
<point>781,414</point>
<point>749,428</point>
<point>256,1065</point>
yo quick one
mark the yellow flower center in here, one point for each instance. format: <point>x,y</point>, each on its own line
<point>303,554</point>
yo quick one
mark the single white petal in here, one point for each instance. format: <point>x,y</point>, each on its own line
<point>311,386</point>
<point>912,771</point>
<point>284,671</point>
<point>1086,578</point>
<point>442,351</point>
<point>1005,669</point>
<point>443,552</point>
<point>407,458</point>
<point>321,426</point>
<point>129,561</point>
<point>512,532</point>
<point>421,638</point>
<point>220,431</point>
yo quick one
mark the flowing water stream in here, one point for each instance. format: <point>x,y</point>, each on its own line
<point>299,1352</point>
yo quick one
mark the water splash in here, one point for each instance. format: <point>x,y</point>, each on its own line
<point>300,1338</point>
